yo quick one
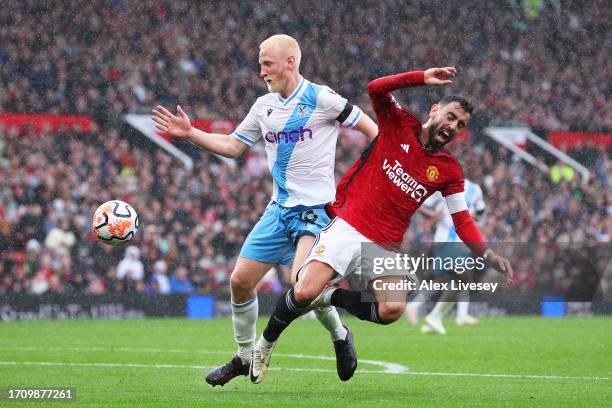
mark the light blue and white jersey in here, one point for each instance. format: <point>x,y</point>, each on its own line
<point>445,229</point>
<point>300,134</point>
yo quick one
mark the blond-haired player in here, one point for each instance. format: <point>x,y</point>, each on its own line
<point>298,121</point>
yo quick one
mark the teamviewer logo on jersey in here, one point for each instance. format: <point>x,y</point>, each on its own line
<point>293,136</point>
<point>404,181</point>
<point>405,147</point>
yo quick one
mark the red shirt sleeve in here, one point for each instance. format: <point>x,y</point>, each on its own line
<point>469,233</point>
<point>456,184</point>
<point>380,89</point>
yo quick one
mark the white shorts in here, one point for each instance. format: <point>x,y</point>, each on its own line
<point>339,246</point>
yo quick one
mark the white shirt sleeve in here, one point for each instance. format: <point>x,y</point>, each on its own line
<point>433,200</point>
<point>337,107</point>
<point>456,203</point>
<point>249,130</point>
<point>478,205</point>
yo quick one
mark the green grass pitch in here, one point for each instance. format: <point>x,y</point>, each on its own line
<point>520,361</point>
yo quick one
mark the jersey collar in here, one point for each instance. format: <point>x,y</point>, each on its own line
<point>297,90</point>
<point>425,149</point>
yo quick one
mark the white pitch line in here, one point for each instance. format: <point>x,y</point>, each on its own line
<point>390,368</point>
<point>493,375</point>
<point>321,370</point>
<point>139,365</point>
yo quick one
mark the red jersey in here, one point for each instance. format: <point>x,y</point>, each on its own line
<point>381,191</point>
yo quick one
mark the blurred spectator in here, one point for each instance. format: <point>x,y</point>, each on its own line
<point>179,283</point>
<point>60,237</point>
<point>131,267</point>
<point>96,287</point>
<point>559,171</point>
<point>160,277</point>
<point>39,284</point>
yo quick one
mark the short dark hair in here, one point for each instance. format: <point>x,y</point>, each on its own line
<point>465,104</point>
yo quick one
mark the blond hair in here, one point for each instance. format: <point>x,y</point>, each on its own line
<point>286,43</point>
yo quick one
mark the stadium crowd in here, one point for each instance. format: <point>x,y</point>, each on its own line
<point>194,222</point>
<point>539,66</point>
<point>544,63</point>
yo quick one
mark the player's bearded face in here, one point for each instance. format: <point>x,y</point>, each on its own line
<point>439,135</point>
<point>277,81</point>
<point>448,121</point>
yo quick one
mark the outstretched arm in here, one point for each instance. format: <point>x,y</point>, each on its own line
<point>433,76</point>
<point>470,234</point>
<point>180,126</point>
<point>391,83</point>
<point>380,89</point>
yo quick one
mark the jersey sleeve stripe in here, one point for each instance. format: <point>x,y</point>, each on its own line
<point>357,116</point>
<point>456,203</point>
<point>243,138</point>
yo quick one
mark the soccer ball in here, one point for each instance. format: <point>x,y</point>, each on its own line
<point>115,222</point>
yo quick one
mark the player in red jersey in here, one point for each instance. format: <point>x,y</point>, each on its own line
<point>375,201</point>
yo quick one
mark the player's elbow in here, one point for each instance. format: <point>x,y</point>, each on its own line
<point>232,153</point>
<point>376,86</point>
<point>372,88</point>
<point>234,149</point>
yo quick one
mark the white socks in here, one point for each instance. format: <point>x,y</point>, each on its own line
<point>463,304</point>
<point>244,319</point>
<point>441,309</point>
<point>329,318</point>
<point>265,343</point>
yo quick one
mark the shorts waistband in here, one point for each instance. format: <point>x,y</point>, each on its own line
<point>300,207</point>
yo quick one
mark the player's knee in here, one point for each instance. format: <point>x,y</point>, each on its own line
<point>390,312</point>
<point>305,293</point>
<point>240,284</point>
<point>294,277</point>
